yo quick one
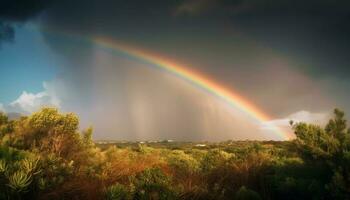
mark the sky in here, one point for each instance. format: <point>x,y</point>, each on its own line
<point>287,58</point>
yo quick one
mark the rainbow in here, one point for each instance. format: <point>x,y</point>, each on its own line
<point>229,96</point>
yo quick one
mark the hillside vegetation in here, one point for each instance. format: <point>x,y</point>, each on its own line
<point>45,156</point>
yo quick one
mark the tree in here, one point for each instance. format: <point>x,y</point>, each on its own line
<point>329,146</point>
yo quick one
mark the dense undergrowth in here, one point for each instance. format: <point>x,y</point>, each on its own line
<point>45,156</point>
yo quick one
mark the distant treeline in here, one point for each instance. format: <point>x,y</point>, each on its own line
<point>45,156</point>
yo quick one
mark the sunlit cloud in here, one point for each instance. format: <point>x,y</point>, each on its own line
<point>300,116</point>
<point>29,102</point>
<point>2,109</point>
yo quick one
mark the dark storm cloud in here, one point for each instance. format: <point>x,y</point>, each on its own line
<point>266,7</point>
<point>108,15</point>
<point>21,10</point>
<point>310,34</point>
<point>313,32</point>
<point>17,11</point>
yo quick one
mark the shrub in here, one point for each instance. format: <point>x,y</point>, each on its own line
<point>246,194</point>
<point>154,184</point>
<point>117,192</point>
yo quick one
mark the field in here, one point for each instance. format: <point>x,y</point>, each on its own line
<point>45,156</point>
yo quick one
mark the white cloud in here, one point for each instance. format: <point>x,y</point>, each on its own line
<point>300,116</point>
<point>2,109</point>
<point>54,89</point>
<point>29,102</point>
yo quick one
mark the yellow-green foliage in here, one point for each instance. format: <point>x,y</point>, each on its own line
<point>45,156</point>
<point>20,180</point>
<point>3,166</point>
<point>117,192</point>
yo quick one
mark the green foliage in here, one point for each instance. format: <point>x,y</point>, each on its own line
<point>6,126</point>
<point>49,119</point>
<point>87,137</point>
<point>30,165</point>
<point>3,166</point>
<point>214,158</point>
<point>153,176</point>
<point>117,192</point>
<point>154,184</point>
<point>246,194</point>
<point>328,146</point>
<point>20,180</point>
<point>182,162</point>
<point>45,156</point>
<point>3,118</point>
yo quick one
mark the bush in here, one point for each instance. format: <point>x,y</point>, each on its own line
<point>246,194</point>
<point>117,192</point>
<point>45,156</point>
<point>154,184</point>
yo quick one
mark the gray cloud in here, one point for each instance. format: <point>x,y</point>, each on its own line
<point>300,116</point>
<point>313,33</point>
<point>17,12</point>
<point>136,101</point>
<point>275,53</point>
<point>196,7</point>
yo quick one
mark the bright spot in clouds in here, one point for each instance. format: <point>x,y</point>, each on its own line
<point>29,102</point>
<point>300,116</point>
